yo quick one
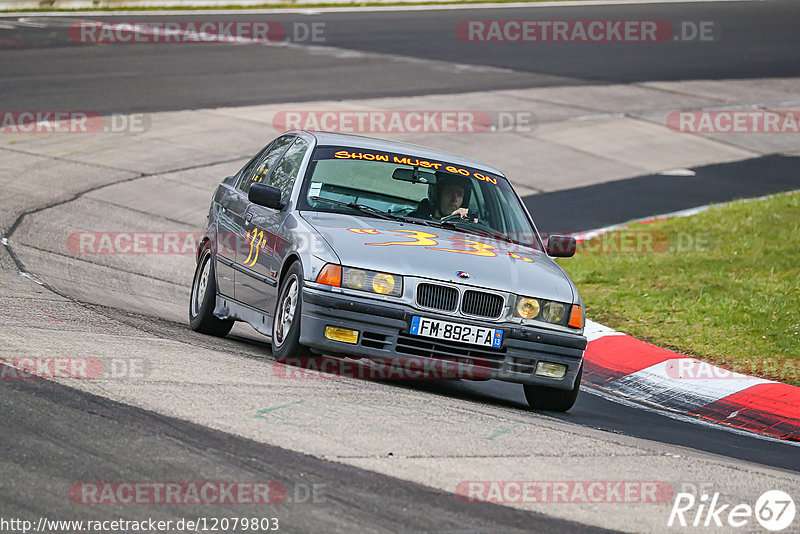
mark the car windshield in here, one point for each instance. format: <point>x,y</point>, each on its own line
<point>432,192</point>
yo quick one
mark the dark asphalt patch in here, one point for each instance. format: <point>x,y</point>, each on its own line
<point>601,205</point>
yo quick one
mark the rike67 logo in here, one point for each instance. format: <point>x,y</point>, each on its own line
<point>774,510</point>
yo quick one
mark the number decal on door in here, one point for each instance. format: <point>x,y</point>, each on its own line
<point>255,240</point>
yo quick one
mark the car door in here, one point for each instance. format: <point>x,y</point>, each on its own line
<point>256,172</point>
<point>266,233</point>
<point>230,205</point>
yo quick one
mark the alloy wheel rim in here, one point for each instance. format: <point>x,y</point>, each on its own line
<point>201,286</point>
<point>286,310</point>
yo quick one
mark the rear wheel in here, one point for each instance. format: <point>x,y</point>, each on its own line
<point>286,326</point>
<point>203,300</point>
<point>555,400</point>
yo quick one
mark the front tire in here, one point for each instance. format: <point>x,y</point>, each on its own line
<point>554,400</point>
<point>204,298</point>
<point>286,323</point>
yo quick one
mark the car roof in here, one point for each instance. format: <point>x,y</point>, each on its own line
<point>371,143</point>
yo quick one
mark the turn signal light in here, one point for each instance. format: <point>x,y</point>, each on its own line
<point>576,317</point>
<point>330,275</point>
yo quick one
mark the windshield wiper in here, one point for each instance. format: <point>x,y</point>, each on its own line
<point>495,234</point>
<point>363,208</point>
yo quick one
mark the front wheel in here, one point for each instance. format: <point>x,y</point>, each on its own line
<point>204,298</point>
<point>286,326</point>
<point>554,400</point>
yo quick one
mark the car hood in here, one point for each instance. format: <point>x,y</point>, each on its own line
<point>358,241</point>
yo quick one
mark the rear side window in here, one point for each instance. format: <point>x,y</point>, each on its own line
<point>258,170</point>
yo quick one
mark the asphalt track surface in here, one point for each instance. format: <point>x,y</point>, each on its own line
<point>382,53</point>
<point>57,74</point>
<point>41,420</point>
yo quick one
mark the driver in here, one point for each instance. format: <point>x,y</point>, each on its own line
<point>445,198</point>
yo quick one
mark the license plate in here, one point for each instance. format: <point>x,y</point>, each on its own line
<point>474,335</point>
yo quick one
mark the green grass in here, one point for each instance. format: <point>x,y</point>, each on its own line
<point>286,5</point>
<point>734,300</point>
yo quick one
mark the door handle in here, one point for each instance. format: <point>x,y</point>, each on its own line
<point>248,218</point>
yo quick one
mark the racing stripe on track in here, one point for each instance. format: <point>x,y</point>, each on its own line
<point>664,385</point>
<point>772,409</point>
<point>612,355</point>
<point>635,369</point>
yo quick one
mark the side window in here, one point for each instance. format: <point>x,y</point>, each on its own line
<point>285,173</point>
<point>258,170</point>
<point>248,169</point>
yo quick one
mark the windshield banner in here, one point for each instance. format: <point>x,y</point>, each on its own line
<point>413,161</point>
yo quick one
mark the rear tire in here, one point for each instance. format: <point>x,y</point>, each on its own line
<point>286,323</point>
<point>203,300</point>
<point>554,400</point>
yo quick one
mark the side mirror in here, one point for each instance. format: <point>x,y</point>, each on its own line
<point>561,246</point>
<point>265,195</point>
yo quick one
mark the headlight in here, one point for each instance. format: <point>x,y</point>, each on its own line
<point>554,312</point>
<point>354,278</point>
<point>372,281</point>
<point>528,308</point>
<point>383,284</point>
<point>541,310</point>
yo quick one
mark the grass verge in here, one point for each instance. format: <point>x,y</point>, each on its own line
<point>722,285</point>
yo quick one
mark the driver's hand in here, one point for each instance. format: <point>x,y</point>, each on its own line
<point>461,212</point>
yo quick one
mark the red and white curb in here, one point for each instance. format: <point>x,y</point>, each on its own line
<point>626,366</point>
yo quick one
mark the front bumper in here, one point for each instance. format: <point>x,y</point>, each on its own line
<point>384,333</point>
